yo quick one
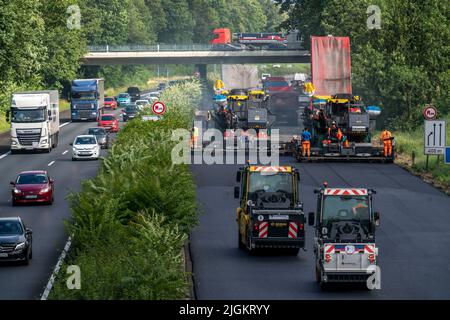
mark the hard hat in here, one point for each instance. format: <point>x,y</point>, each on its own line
<point>333,122</point>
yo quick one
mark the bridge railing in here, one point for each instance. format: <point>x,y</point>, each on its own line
<point>151,48</point>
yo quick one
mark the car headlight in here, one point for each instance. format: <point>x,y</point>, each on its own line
<point>17,191</point>
<point>20,246</point>
<point>44,141</point>
<point>45,190</point>
<point>44,132</point>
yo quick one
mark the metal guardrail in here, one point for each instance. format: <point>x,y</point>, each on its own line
<point>151,48</point>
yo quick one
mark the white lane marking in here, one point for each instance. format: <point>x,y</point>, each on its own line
<point>5,155</point>
<point>61,258</point>
<point>64,124</point>
<point>65,152</point>
<point>51,163</point>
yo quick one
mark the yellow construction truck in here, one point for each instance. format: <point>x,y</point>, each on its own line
<point>270,214</point>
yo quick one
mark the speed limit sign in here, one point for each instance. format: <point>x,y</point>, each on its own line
<point>159,108</point>
<point>430,112</point>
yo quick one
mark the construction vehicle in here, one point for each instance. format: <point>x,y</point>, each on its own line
<point>34,117</point>
<point>270,214</point>
<point>355,121</point>
<point>334,104</point>
<point>244,109</point>
<point>345,224</point>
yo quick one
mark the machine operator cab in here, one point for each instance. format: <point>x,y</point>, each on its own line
<point>344,214</point>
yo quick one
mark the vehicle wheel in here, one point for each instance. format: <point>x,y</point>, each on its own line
<point>317,274</point>
<point>240,244</point>
<point>14,203</point>
<point>26,262</point>
<point>31,253</point>
<point>74,159</point>
<point>12,152</point>
<point>293,252</point>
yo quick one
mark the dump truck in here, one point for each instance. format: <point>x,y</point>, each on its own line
<point>34,117</point>
<point>345,224</point>
<point>270,214</point>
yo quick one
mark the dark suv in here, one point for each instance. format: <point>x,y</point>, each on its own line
<point>134,92</point>
<point>129,112</point>
<point>15,241</point>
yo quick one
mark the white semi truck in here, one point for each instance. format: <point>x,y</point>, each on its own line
<point>34,117</point>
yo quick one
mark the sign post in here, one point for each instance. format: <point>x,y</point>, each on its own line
<point>434,137</point>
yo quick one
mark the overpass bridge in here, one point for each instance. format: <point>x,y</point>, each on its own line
<point>188,54</point>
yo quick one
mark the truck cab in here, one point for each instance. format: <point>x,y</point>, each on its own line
<point>34,117</point>
<point>87,99</point>
<point>270,214</point>
<point>345,224</point>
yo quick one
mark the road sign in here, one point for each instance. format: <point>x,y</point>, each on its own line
<point>434,137</point>
<point>447,155</point>
<point>158,108</point>
<point>429,112</point>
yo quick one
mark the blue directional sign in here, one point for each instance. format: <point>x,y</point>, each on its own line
<point>447,155</point>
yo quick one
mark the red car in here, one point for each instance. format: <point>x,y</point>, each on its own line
<point>32,187</point>
<point>110,103</point>
<point>109,122</point>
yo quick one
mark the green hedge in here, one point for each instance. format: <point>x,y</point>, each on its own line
<point>131,221</point>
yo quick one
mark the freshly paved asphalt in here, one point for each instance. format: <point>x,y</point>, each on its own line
<point>413,239</point>
<point>47,222</point>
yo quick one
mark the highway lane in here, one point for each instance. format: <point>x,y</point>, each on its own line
<point>413,238</point>
<point>47,222</point>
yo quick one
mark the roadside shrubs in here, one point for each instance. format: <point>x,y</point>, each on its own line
<point>131,221</point>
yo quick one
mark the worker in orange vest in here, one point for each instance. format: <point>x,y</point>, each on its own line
<point>386,138</point>
<point>306,143</point>
<point>334,133</point>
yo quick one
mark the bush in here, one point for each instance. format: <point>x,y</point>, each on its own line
<point>131,221</point>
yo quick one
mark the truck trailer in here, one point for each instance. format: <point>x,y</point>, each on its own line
<point>34,117</point>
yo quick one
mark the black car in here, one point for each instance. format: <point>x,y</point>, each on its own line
<point>15,241</point>
<point>134,92</point>
<point>129,112</point>
<point>102,136</point>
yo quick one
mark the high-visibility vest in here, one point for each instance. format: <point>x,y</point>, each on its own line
<point>385,135</point>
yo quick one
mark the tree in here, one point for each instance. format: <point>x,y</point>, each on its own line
<point>22,50</point>
<point>65,44</point>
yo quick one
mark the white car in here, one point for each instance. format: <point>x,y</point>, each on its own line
<point>141,104</point>
<point>85,147</point>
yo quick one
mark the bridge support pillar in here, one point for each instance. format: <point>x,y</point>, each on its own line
<point>203,70</point>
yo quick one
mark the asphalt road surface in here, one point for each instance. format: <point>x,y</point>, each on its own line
<point>47,222</point>
<point>413,239</point>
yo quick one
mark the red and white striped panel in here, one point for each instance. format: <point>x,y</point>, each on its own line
<point>329,249</point>
<point>369,248</point>
<point>345,192</point>
<point>263,229</point>
<point>293,229</point>
<point>270,169</point>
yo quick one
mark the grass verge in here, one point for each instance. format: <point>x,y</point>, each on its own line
<point>408,143</point>
<point>131,221</point>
